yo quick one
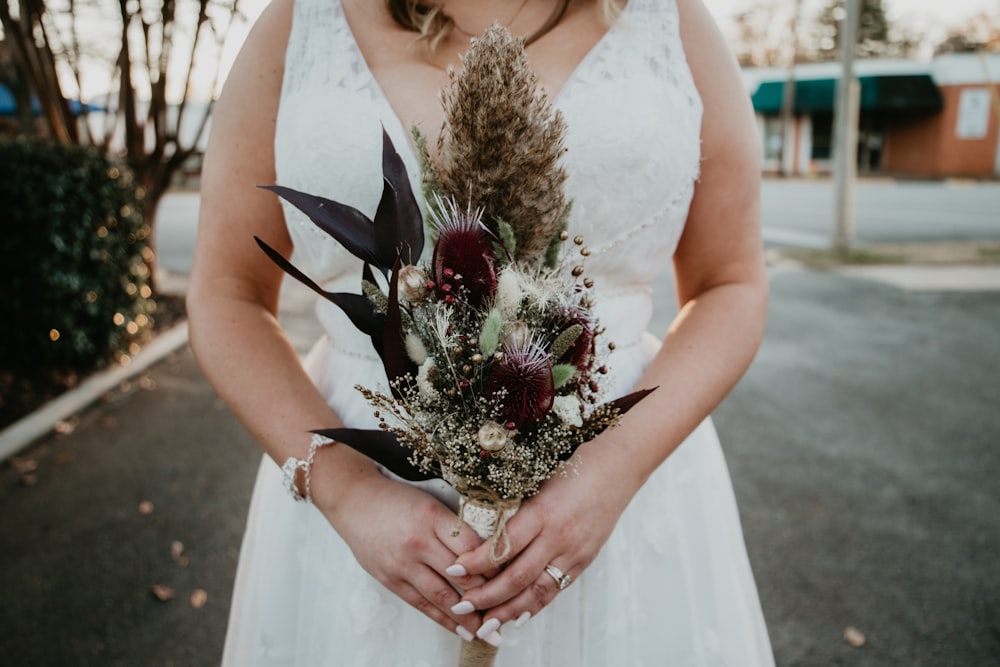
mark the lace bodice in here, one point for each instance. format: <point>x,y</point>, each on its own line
<point>633,117</point>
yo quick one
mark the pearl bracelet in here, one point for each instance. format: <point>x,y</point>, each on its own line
<point>291,467</point>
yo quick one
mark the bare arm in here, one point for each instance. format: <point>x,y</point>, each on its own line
<point>722,291</point>
<point>401,535</point>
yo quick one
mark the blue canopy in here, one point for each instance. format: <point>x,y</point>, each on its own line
<point>8,106</point>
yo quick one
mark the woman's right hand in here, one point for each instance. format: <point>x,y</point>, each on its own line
<point>403,537</point>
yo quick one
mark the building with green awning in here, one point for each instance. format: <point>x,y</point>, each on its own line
<point>932,119</point>
<point>907,93</point>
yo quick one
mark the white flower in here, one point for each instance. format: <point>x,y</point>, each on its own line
<point>424,383</point>
<point>412,283</point>
<point>567,408</point>
<point>509,294</point>
<point>493,437</point>
<point>415,348</point>
<point>516,333</point>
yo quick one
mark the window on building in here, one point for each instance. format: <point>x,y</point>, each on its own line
<point>772,137</point>
<point>822,136</point>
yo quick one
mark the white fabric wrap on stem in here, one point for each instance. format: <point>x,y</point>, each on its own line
<point>488,516</point>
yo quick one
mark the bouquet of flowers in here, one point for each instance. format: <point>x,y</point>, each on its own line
<point>490,346</point>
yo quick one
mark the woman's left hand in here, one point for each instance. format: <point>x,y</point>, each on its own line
<point>564,525</point>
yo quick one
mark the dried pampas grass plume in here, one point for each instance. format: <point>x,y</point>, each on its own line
<point>500,144</point>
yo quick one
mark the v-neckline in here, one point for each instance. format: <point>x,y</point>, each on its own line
<point>554,100</point>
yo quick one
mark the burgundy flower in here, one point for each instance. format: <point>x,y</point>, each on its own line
<point>580,353</point>
<point>526,374</point>
<point>463,261</point>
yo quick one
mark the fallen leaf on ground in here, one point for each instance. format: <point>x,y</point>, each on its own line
<point>854,637</point>
<point>162,593</point>
<point>64,457</point>
<point>198,598</point>
<point>147,382</point>
<point>29,480</point>
<point>109,421</point>
<point>146,508</point>
<point>177,553</point>
<point>23,466</point>
<point>66,426</point>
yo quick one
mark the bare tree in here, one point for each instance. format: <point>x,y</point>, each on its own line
<point>876,36</point>
<point>29,44</point>
<point>149,72</point>
<point>758,40</point>
<point>981,33</point>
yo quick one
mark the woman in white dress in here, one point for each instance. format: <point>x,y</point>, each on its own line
<point>662,161</point>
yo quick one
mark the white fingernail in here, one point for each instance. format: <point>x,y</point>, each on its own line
<point>464,634</point>
<point>456,570</point>
<point>493,639</point>
<point>463,607</point>
<point>522,619</point>
<point>488,627</point>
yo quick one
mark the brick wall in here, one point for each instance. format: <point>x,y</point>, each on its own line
<point>930,146</point>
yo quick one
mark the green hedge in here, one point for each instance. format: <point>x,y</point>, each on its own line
<point>74,252</point>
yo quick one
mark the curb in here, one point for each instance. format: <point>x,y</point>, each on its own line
<point>25,431</point>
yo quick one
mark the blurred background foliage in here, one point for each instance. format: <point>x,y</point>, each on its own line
<point>775,33</point>
<point>73,266</point>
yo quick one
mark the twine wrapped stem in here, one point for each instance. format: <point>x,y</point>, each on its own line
<point>477,653</point>
<point>487,514</point>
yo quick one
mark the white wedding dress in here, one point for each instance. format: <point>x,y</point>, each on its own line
<point>673,585</point>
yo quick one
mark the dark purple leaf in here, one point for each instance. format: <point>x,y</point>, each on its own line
<point>623,405</point>
<point>358,308</point>
<point>382,447</point>
<point>349,226</point>
<point>399,224</point>
<point>627,402</point>
<point>394,358</point>
<point>368,274</point>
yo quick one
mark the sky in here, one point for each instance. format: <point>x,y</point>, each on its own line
<point>947,11</point>
<point>930,17</point>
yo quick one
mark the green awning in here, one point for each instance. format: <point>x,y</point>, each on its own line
<point>911,92</point>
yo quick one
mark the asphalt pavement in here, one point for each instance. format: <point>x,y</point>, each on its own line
<point>862,445</point>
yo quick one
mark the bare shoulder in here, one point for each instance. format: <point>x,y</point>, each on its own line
<point>240,157</point>
<point>721,240</point>
<point>252,89</point>
<point>715,71</point>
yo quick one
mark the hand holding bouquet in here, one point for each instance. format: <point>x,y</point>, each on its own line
<point>490,346</point>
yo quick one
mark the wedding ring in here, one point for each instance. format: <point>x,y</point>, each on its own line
<point>562,580</point>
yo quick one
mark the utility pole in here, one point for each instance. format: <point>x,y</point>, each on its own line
<point>788,98</point>
<point>846,131</point>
